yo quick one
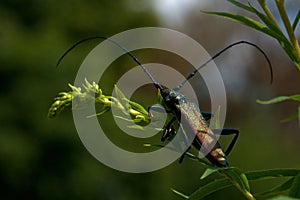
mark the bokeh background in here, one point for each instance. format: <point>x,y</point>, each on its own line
<point>41,158</point>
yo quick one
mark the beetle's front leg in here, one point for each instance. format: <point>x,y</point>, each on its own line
<point>168,130</point>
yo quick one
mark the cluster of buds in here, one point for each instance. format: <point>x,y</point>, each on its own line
<point>91,92</point>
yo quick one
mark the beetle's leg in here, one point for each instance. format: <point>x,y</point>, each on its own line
<point>182,156</point>
<point>207,115</point>
<point>168,130</point>
<point>230,131</point>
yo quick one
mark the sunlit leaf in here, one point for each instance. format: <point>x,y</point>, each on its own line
<point>137,107</point>
<point>180,194</point>
<point>283,198</point>
<point>280,99</point>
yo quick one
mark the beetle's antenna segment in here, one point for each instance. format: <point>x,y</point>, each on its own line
<point>135,59</point>
<point>218,54</point>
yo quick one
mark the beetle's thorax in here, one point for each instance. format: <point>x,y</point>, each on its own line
<point>172,97</point>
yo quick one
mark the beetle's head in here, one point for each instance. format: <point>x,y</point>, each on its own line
<point>171,97</point>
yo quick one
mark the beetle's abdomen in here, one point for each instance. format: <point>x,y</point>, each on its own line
<point>205,140</point>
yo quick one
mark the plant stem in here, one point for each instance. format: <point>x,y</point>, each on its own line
<point>264,6</point>
<point>247,194</point>
<point>289,29</point>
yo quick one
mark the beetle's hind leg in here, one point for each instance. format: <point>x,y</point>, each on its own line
<point>207,115</point>
<point>229,131</point>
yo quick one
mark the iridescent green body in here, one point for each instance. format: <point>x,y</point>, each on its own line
<point>192,122</point>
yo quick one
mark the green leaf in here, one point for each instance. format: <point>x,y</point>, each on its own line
<point>202,161</point>
<point>160,99</point>
<point>271,29</point>
<point>180,194</point>
<point>237,176</point>
<point>280,99</point>
<point>121,97</point>
<point>297,18</point>
<point>276,32</point>
<point>208,172</point>
<point>243,6</point>
<point>103,110</point>
<point>137,107</point>
<point>278,189</point>
<point>283,198</point>
<point>210,188</point>
<point>295,189</point>
<point>250,23</point>
<point>291,117</point>
<point>271,173</point>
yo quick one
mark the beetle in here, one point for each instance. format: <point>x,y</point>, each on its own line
<point>192,120</point>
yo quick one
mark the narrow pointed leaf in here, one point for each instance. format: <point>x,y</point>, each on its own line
<point>297,18</point>
<point>291,117</point>
<point>283,198</point>
<point>121,97</point>
<point>278,189</point>
<point>247,21</point>
<point>277,33</point>
<point>295,189</point>
<point>210,188</point>
<point>203,161</point>
<point>271,30</point>
<point>271,173</point>
<point>180,194</point>
<point>241,5</point>
<point>208,172</point>
<point>104,110</point>
<point>137,107</point>
<point>280,99</point>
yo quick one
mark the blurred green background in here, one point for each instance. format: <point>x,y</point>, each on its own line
<point>45,159</point>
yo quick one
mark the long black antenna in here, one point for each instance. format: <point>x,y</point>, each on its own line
<point>135,59</point>
<point>218,54</point>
